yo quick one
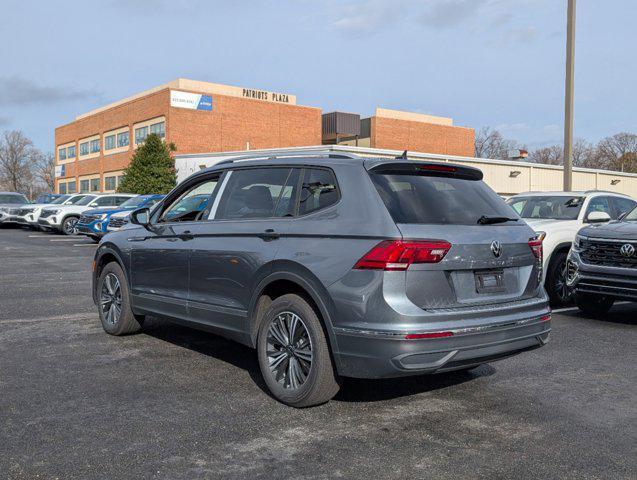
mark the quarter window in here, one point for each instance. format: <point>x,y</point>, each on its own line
<point>319,190</point>
<point>254,193</point>
<point>109,142</point>
<point>123,139</point>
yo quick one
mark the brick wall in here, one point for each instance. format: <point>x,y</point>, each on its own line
<point>232,123</point>
<point>397,134</point>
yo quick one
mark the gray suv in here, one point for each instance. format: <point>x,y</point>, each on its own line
<point>602,265</point>
<point>332,266</point>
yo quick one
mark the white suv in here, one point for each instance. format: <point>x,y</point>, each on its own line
<point>557,217</point>
<point>63,218</point>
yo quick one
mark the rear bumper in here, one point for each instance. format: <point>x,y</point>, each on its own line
<point>367,354</point>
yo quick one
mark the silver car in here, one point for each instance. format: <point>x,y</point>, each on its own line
<point>333,266</point>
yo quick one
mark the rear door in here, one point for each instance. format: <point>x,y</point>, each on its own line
<point>490,260</point>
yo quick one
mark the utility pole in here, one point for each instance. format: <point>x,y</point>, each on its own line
<point>568,102</point>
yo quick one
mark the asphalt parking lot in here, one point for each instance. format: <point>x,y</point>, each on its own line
<point>175,403</point>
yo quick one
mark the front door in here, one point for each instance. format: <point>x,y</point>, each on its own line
<point>233,247</point>
<point>160,254</point>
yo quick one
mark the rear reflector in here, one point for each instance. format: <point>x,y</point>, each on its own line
<point>545,318</point>
<point>399,254</point>
<point>536,247</point>
<point>418,336</point>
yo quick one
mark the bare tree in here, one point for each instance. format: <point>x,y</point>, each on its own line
<point>548,155</point>
<point>44,166</point>
<point>16,154</point>
<point>618,152</point>
<point>489,143</point>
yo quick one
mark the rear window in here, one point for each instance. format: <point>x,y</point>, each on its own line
<point>412,198</point>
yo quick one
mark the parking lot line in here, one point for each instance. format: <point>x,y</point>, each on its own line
<point>85,244</point>
<point>38,236</point>
<point>63,240</point>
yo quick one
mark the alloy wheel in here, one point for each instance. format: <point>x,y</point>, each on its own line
<point>289,350</point>
<point>111,299</point>
<point>561,285</point>
<point>69,226</point>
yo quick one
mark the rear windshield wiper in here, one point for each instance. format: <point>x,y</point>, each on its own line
<point>486,220</point>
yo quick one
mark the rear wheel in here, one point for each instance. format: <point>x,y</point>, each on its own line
<point>293,354</point>
<point>68,225</point>
<point>592,304</point>
<point>559,292</point>
<point>113,301</point>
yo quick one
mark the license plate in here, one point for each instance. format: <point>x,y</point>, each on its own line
<point>491,281</point>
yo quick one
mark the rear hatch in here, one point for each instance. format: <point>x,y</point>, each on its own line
<point>490,259</point>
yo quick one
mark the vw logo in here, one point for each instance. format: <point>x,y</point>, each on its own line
<point>627,250</point>
<point>496,249</point>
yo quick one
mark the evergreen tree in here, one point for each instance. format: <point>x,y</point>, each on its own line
<point>151,170</point>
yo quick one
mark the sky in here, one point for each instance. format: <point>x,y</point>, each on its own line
<point>497,63</point>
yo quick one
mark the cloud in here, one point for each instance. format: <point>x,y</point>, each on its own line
<point>450,13</point>
<point>20,91</point>
<point>522,34</point>
<point>369,16</point>
<point>4,121</point>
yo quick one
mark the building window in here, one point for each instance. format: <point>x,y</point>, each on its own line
<point>123,139</point>
<point>70,152</point>
<point>109,183</point>
<point>95,185</point>
<point>83,149</point>
<point>95,145</point>
<point>119,179</point>
<point>109,142</point>
<point>158,129</point>
<point>71,187</point>
<point>62,188</point>
<point>83,186</point>
<point>62,153</point>
<point>140,135</point>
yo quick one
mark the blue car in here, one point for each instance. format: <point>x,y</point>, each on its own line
<point>93,223</point>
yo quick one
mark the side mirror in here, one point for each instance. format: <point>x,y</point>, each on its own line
<point>598,217</point>
<point>140,216</point>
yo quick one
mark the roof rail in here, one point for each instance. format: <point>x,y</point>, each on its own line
<point>606,191</point>
<point>291,154</point>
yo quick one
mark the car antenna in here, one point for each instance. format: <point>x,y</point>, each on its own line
<point>403,156</point>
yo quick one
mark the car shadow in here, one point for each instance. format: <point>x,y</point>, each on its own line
<point>621,313</point>
<point>352,390</point>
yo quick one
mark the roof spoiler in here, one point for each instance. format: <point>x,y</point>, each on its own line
<point>414,167</point>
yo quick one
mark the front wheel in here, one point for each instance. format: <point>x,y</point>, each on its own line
<point>294,356</point>
<point>559,292</point>
<point>113,301</point>
<point>592,304</point>
<point>68,225</point>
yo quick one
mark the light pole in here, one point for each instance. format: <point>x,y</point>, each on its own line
<point>568,102</point>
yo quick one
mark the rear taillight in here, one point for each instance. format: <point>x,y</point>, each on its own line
<point>536,247</point>
<point>399,254</point>
<point>422,336</point>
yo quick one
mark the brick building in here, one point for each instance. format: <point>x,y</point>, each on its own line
<point>201,117</point>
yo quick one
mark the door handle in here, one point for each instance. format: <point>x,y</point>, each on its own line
<point>186,235</point>
<point>269,234</point>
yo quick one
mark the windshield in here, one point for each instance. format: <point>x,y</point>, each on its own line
<point>632,216</point>
<point>13,198</point>
<point>134,202</point>
<point>412,198</point>
<point>85,201</point>
<point>556,207</point>
<point>60,200</point>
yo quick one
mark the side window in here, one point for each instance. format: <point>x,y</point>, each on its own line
<point>257,193</point>
<point>120,200</point>
<point>190,206</point>
<point>105,201</point>
<point>622,206</point>
<point>319,190</point>
<point>599,204</point>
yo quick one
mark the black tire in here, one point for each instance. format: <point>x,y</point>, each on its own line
<point>320,382</point>
<point>126,321</point>
<point>592,304</point>
<point>94,238</point>
<point>559,293</point>
<point>68,225</point>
